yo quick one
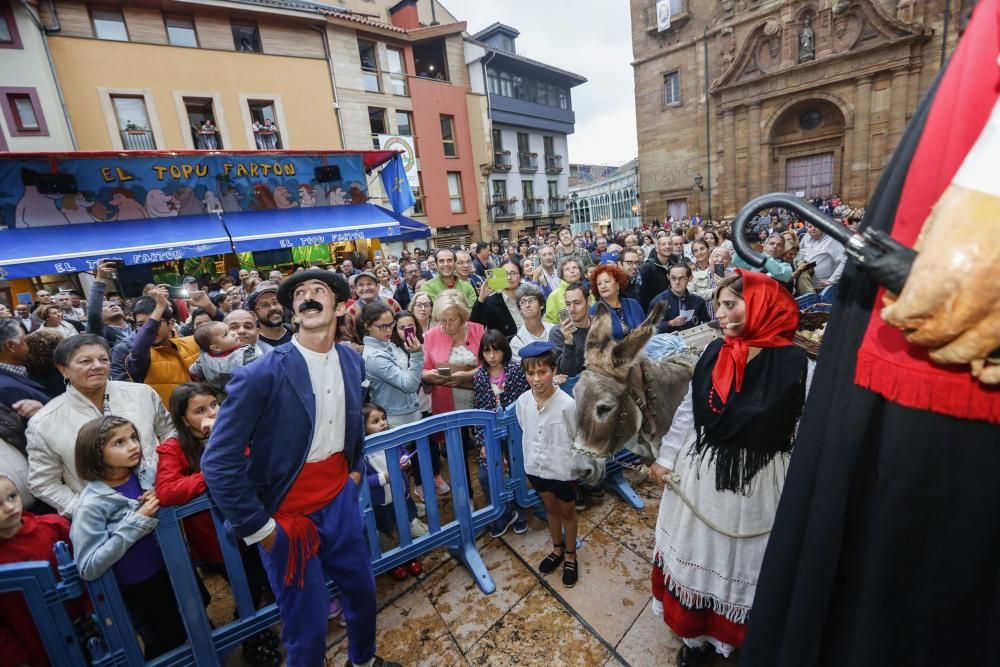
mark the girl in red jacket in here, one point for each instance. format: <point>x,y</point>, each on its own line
<point>179,480</point>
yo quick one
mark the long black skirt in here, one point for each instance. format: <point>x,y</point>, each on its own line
<point>886,545</point>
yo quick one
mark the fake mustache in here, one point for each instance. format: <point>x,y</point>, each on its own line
<point>310,305</point>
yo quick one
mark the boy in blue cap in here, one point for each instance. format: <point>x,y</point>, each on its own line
<point>548,419</point>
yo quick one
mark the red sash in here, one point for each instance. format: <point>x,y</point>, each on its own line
<point>317,484</point>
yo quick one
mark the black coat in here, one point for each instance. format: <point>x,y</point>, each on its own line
<point>402,296</point>
<point>493,314</point>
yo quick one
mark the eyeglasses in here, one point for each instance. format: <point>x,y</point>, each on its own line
<point>383,327</point>
<point>527,301</point>
<point>421,305</point>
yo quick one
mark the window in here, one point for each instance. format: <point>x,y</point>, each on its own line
<point>497,140</point>
<point>500,190</point>
<point>505,85</point>
<point>553,189</point>
<point>397,71</point>
<point>369,67</point>
<point>133,123</point>
<point>430,60</point>
<point>376,119</point>
<point>264,122</point>
<point>246,36</point>
<point>418,206</point>
<point>455,192</point>
<point>563,98</point>
<point>671,89</point>
<point>201,121</point>
<point>522,143</point>
<point>528,190</point>
<point>109,24</point>
<point>9,37</point>
<point>23,112</point>
<point>404,123</point>
<point>180,31</point>
<point>493,81</point>
<point>448,136</point>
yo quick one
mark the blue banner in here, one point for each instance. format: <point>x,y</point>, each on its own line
<point>116,187</point>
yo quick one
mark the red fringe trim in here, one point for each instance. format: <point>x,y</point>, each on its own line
<point>693,623</point>
<point>943,393</point>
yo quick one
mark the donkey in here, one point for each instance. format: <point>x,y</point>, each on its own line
<point>623,393</point>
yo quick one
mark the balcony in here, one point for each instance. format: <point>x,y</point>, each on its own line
<point>527,161</point>
<point>557,206</point>
<point>678,16</point>
<point>208,140</point>
<point>501,160</point>
<point>136,139</point>
<point>533,208</point>
<point>503,209</point>
<point>267,140</point>
<point>553,164</point>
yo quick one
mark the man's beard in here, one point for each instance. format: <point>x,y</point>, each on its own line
<point>275,320</point>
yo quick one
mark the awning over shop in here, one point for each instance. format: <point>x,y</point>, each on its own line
<point>287,228</point>
<point>70,248</point>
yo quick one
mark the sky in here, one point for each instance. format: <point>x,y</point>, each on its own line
<point>591,38</point>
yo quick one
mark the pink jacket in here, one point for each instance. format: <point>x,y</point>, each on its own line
<point>437,349</point>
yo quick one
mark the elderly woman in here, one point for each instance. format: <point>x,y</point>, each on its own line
<point>52,320</point>
<point>531,302</point>
<point>498,310</point>
<point>394,373</point>
<point>607,283</point>
<point>569,272</point>
<point>730,443</point>
<point>84,362</point>
<point>451,353</point>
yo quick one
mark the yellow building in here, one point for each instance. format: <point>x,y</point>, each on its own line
<point>188,75</point>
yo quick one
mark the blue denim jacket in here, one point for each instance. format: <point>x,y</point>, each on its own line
<point>106,524</point>
<point>393,380</point>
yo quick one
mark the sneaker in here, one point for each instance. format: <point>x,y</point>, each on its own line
<point>501,525</point>
<point>441,485</point>
<point>417,528</point>
<point>335,608</point>
<point>421,509</point>
<point>521,523</point>
<point>580,503</point>
<point>418,494</point>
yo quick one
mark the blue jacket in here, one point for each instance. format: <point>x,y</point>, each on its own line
<point>14,388</point>
<point>633,317</point>
<point>271,410</point>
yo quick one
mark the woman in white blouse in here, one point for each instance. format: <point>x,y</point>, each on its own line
<point>52,318</point>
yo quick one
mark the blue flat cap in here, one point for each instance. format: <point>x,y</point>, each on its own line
<point>536,349</point>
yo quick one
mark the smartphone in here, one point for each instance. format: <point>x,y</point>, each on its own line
<point>809,266</point>
<point>720,270</point>
<point>497,279</point>
<point>444,370</point>
<point>563,314</point>
<point>409,332</point>
<point>178,292</point>
<point>115,262</point>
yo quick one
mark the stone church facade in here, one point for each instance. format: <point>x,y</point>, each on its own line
<point>742,97</point>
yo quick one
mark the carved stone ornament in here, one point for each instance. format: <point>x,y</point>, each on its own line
<point>904,11</point>
<point>840,6</point>
<point>727,45</point>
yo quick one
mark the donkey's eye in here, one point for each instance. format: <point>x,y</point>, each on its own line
<point>603,410</point>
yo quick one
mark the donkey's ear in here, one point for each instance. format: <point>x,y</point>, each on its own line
<point>599,340</point>
<point>629,349</point>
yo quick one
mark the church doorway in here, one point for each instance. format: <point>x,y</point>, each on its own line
<point>810,176</point>
<point>806,146</point>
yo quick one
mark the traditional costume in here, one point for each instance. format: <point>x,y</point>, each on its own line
<point>730,443</point>
<point>884,549</point>
<point>300,413</point>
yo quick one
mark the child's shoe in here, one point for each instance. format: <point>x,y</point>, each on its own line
<point>335,608</point>
<point>521,523</point>
<point>417,528</point>
<point>570,572</point>
<point>399,573</point>
<point>421,509</point>
<point>551,562</point>
<point>415,568</point>
<point>441,485</point>
<point>501,525</point>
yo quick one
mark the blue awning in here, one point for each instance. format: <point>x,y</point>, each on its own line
<point>70,248</point>
<point>25,253</point>
<point>291,227</point>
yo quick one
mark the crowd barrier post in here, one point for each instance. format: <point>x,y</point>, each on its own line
<point>46,599</point>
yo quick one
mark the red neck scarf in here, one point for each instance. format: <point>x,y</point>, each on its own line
<point>770,321</point>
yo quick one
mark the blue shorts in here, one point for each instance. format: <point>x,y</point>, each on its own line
<point>562,490</point>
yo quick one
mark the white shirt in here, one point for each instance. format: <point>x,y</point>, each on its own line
<point>331,414</point>
<point>828,254</point>
<point>524,337</point>
<point>549,434</point>
<point>328,391</point>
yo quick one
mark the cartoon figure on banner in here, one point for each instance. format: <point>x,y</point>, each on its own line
<point>35,209</point>
<point>76,208</point>
<point>307,196</point>
<point>229,196</point>
<point>358,195</point>
<point>101,213</point>
<point>283,198</point>
<point>211,202</point>
<point>187,202</point>
<point>336,196</point>
<point>128,207</point>
<point>159,204</point>
<point>262,198</point>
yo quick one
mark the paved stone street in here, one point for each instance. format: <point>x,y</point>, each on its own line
<point>442,618</point>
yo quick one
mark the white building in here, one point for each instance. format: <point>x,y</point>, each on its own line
<point>31,111</point>
<point>531,115</point>
<point>609,204</point>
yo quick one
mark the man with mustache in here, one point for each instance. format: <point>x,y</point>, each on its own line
<point>270,316</point>
<point>294,490</point>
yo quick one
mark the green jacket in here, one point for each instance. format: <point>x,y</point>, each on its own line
<point>557,301</point>
<point>435,286</point>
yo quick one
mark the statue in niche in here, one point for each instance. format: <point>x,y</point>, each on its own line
<point>840,6</point>
<point>807,41</point>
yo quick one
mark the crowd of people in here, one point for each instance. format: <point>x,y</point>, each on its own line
<point>107,405</point>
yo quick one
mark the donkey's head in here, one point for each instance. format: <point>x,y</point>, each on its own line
<point>606,417</point>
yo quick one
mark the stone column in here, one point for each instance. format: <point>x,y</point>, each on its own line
<point>728,203</point>
<point>862,137</point>
<point>900,92</point>
<point>753,151</point>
